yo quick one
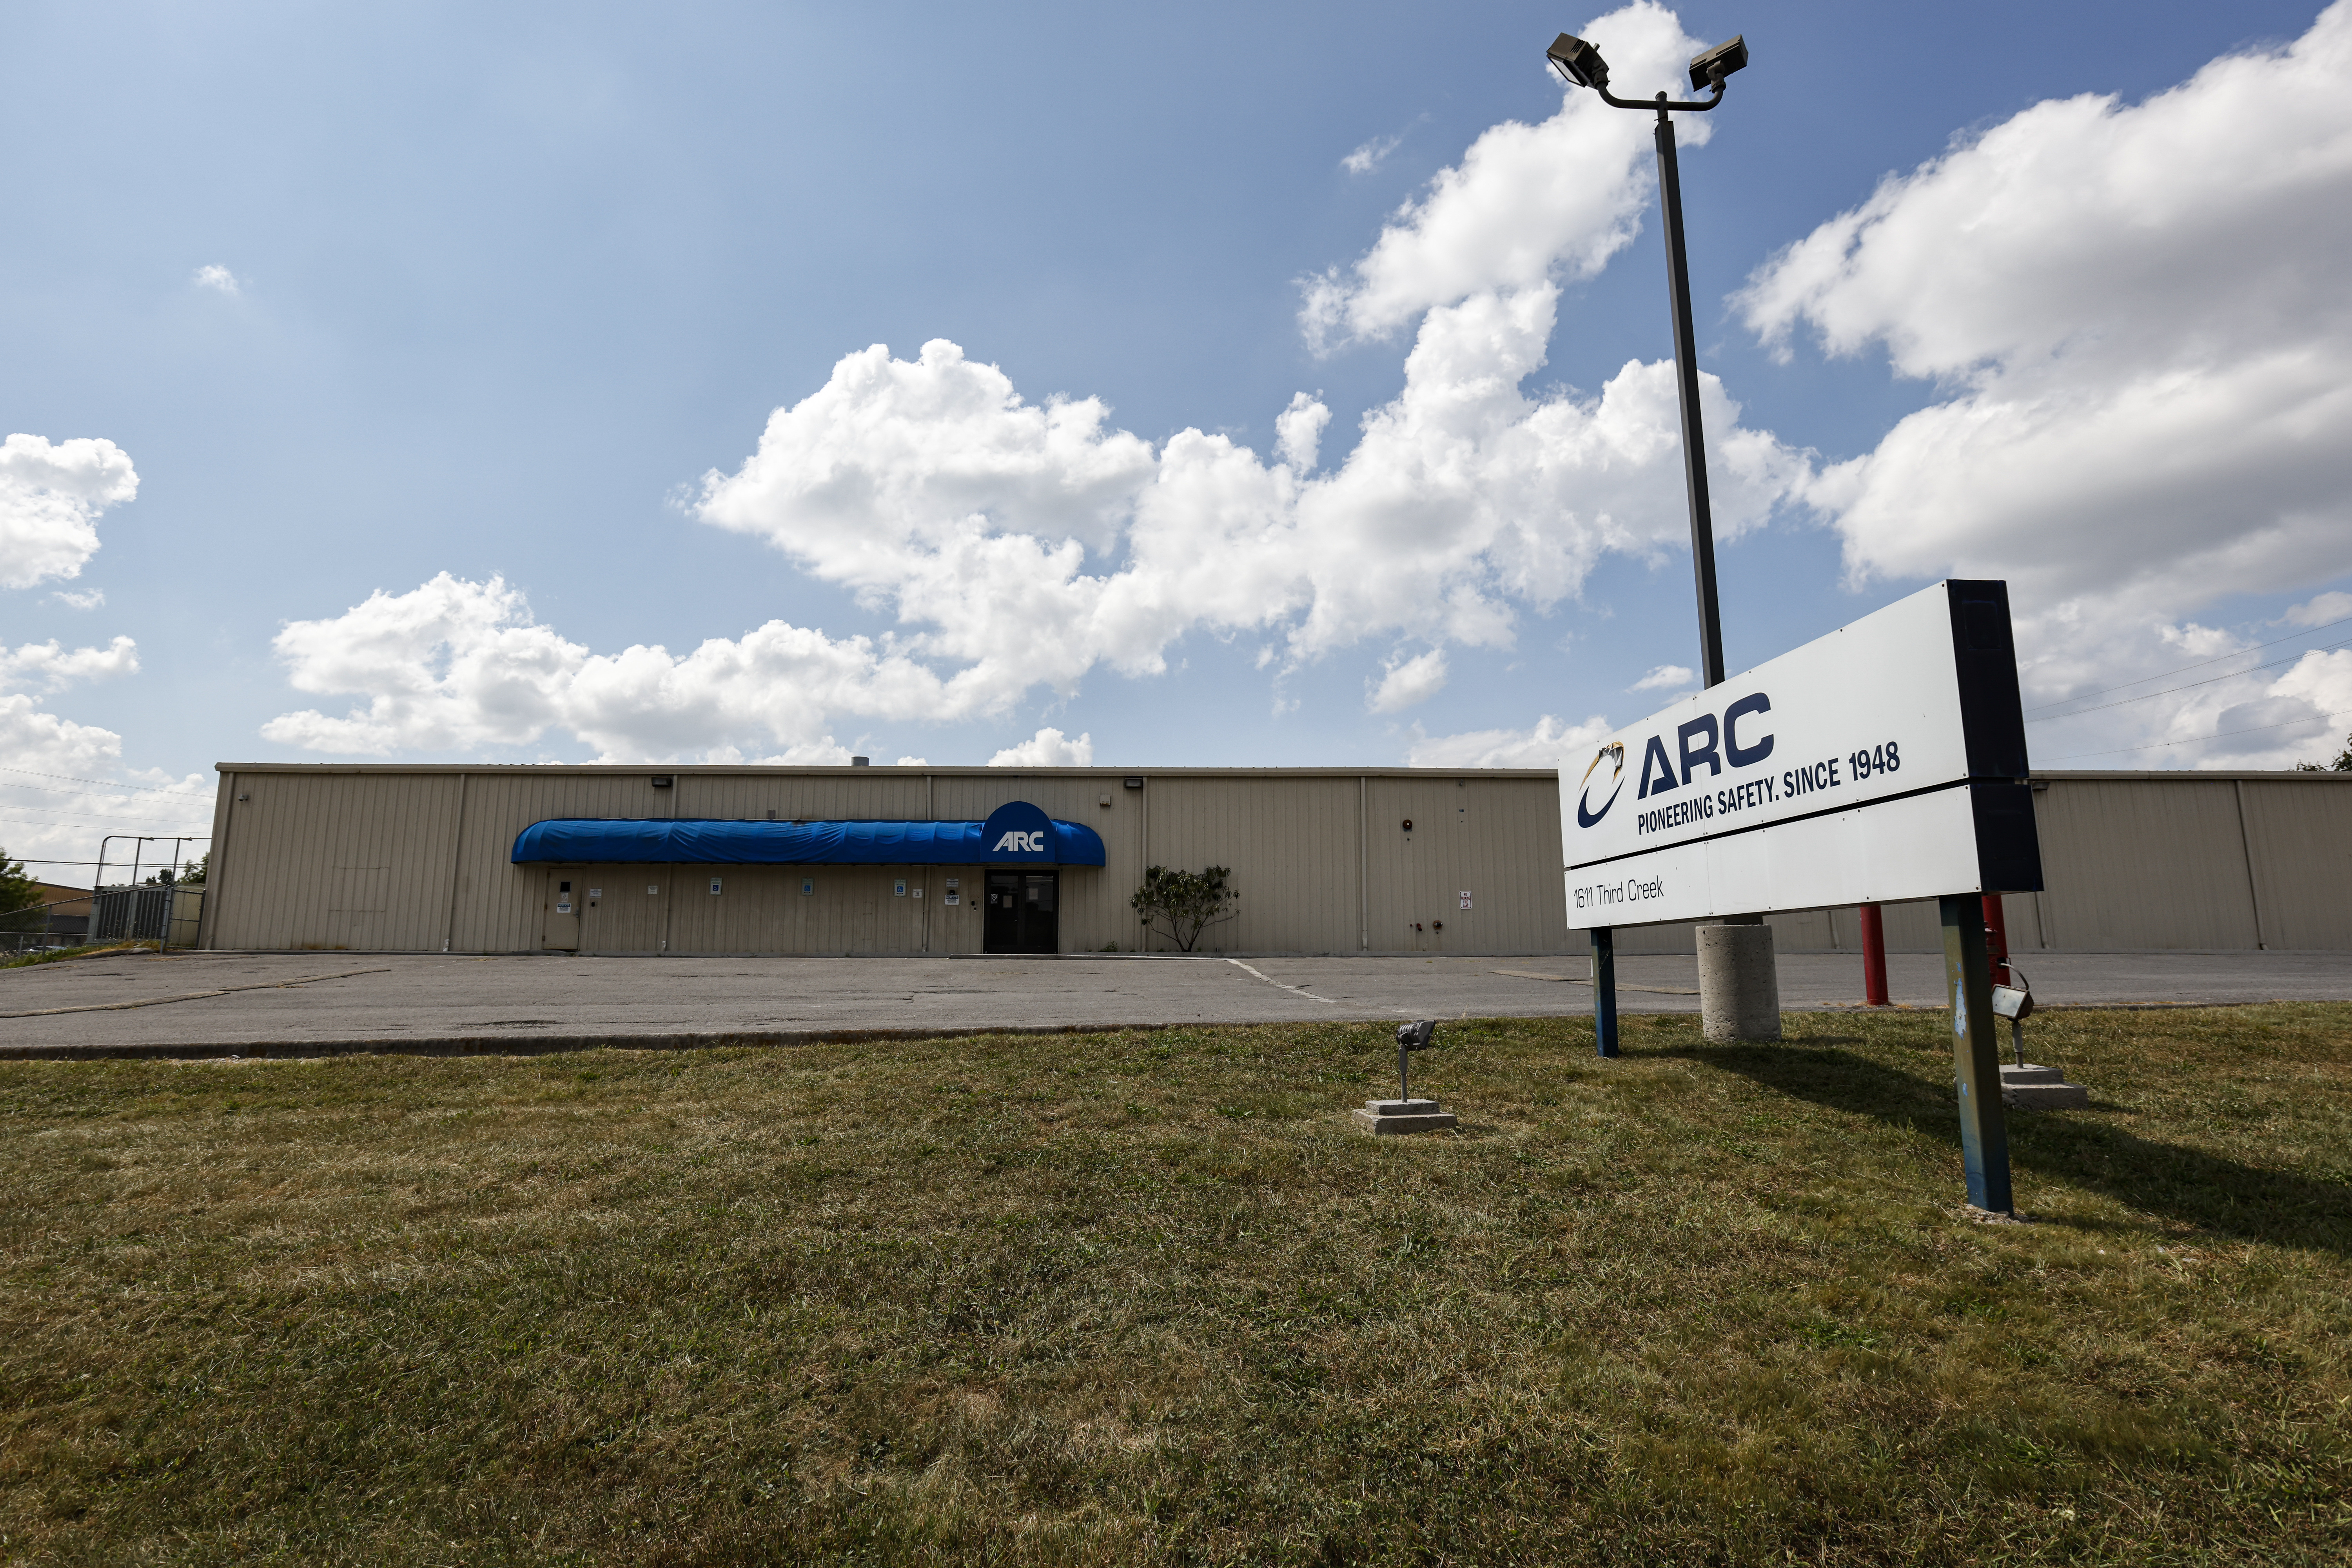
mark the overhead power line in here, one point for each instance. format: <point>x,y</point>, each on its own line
<point>2159,675</point>
<point>2186,686</point>
<point>204,800</point>
<point>59,819</point>
<point>102,784</point>
<point>2199,740</point>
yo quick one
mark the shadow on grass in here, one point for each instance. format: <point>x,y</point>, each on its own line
<point>2181,1184</point>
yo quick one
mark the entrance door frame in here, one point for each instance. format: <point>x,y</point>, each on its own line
<point>560,914</point>
<point>1018,877</point>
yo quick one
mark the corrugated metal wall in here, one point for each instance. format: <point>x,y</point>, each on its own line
<point>392,859</point>
<point>2141,862</point>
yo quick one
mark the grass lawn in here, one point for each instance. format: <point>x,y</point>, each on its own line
<point>1146,1299</point>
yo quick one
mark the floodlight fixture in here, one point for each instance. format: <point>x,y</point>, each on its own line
<point>1579,61</point>
<point>1708,69</point>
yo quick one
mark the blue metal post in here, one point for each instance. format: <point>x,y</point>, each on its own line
<point>1604,990</point>
<point>1976,1054</point>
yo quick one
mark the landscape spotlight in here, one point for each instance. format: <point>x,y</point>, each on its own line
<point>1581,64</point>
<point>1708,69</point>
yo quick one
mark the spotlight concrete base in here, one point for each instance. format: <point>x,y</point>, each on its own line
<point>1384,1117</point>
<point>2036,1088</point>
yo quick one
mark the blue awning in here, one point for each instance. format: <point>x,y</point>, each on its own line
<point>593,841</point>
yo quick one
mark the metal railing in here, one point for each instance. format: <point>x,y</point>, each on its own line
<point>164,914</point>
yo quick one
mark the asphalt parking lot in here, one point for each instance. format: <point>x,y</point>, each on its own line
<point>208,1004</point>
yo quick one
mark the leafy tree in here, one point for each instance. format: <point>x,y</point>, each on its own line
<point>2342,764</point>
<point>1187,902</point>
<point>192,873</point>
<point>20,897</point>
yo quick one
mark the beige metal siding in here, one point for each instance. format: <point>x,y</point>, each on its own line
<point>393,858</point>
<point>335,859</point>
<point>1497,840</point>
<point>396,858</point>
<point>2144,865</point>
<point>2299,836</point>
<point>1291,844</point>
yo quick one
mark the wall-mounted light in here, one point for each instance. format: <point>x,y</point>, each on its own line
<point>661,781</point>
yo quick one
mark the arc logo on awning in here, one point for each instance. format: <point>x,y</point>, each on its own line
<point>1019,832</point>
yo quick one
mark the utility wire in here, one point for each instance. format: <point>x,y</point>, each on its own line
<point>2200,739</point>
<point>2200,664</point>
<point>106,789</point>
<point>69,778</point>
<point>55,818</point>
<point>2186,686</point>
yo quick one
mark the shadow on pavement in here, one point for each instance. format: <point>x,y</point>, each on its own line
<point>2181,1184</point>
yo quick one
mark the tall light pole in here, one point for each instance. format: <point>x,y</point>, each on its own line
<point>1739,995</point>
<point>1581,64</point>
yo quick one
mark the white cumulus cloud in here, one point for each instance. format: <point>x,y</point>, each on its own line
<point>219,279</point>
<point>57,799</point>
<point>1048,748</point>
<point>1405,682</point>
<point>1527,203</point>
<point>1543,746</point>
<point>50,499</point>
<point>2324,610</point>
<point>2138,314</point>
<point>50,665</point>
<point>1372,155</point>
<point>1018,544</point>
<point>459,663</point>
<point>1665,677</point>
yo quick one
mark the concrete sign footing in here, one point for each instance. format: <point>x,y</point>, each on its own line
<point>1382,1117</point>
<point>2036,1088</point>
<point>1738,988</point>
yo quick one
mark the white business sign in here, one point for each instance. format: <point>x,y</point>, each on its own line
<point>1885,760</point>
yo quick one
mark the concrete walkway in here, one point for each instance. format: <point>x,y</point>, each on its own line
<point>205,1003</point>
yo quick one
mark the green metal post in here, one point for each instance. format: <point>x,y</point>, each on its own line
<point>1976,1054</point>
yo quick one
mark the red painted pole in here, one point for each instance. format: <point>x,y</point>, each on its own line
<point>1873,955</point>
<point>1997,939</point>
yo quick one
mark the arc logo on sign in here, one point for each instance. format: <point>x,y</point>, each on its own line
<point>1613,753</point>
<point>1018,831</point>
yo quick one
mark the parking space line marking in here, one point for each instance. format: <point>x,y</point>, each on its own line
<point>1270,980</point>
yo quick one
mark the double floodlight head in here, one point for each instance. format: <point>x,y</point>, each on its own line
<point>1581,64</point>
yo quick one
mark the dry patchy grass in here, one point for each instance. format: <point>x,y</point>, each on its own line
<point>1145,1297</point>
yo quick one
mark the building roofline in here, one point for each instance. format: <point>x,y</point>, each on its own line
<point>2214,775</point>
<point>754,770</point>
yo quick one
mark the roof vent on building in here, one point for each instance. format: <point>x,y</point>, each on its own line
<point>861,761</point>
<point>661,781</point>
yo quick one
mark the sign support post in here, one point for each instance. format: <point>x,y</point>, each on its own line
<point>1873,955</point>
<point>1976,1054</point>
<point>1604,990</point>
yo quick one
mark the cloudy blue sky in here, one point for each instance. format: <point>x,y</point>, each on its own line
<point>1220,386</point>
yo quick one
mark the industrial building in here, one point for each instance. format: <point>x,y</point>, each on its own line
<point>874,860</point>
<point>911,861</point>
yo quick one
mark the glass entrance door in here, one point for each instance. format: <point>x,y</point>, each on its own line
<point>1022,916</point>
